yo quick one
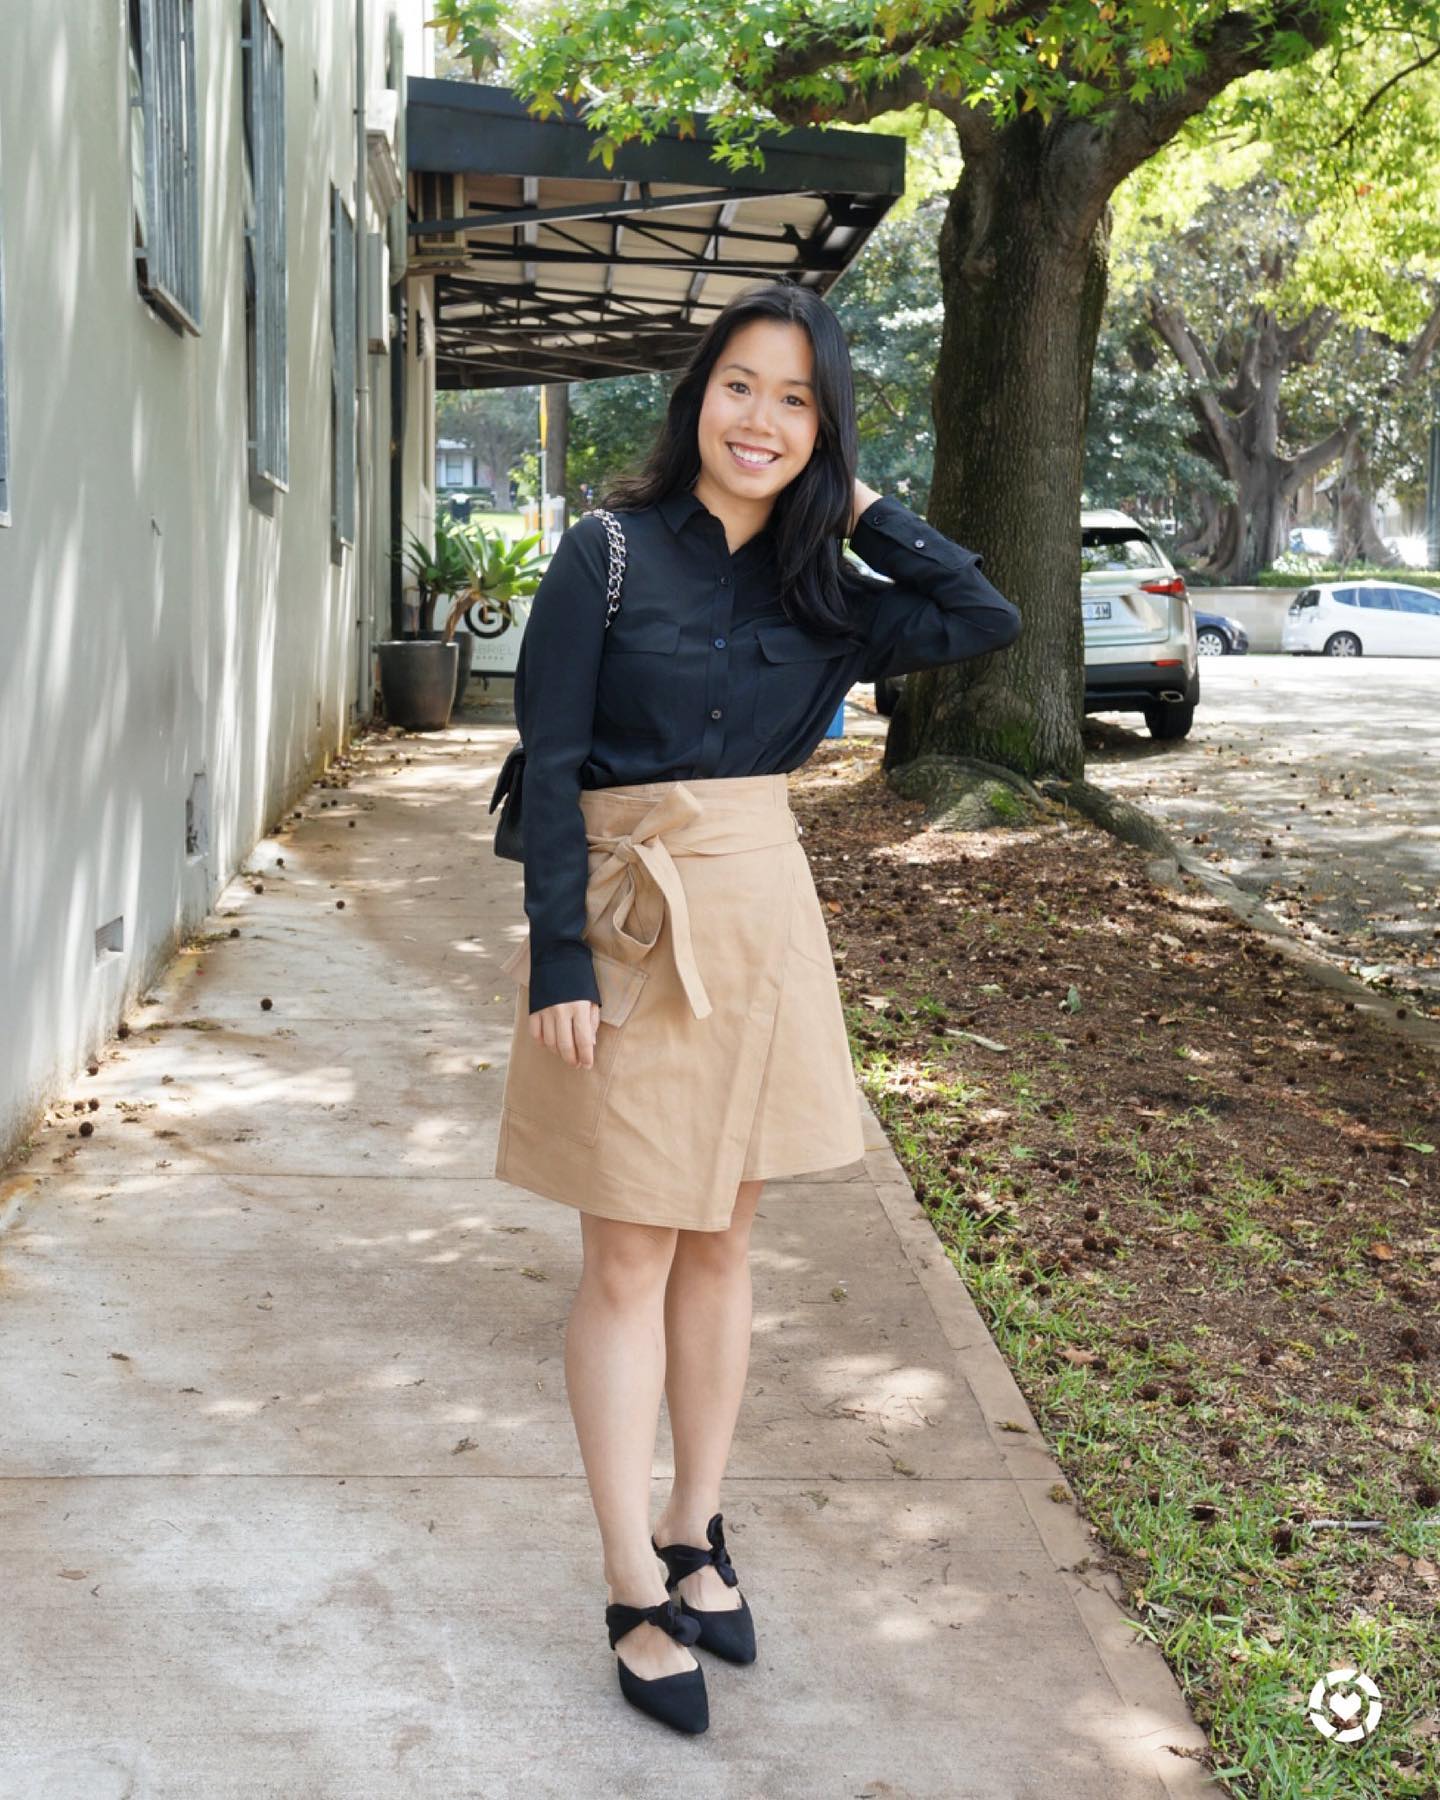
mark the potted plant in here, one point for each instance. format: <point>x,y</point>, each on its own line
<point>503,573</point>
<point>420,676</point>
<point>470,567</point>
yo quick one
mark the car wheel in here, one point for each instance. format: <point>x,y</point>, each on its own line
<point>1344,643</point>
<point>1170,718</point>
<point>1211,642</point>
<point>887,693</point>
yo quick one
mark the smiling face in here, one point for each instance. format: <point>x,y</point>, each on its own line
<point>759,418</point>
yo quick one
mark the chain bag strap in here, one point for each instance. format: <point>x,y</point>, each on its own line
<point>510,785</point>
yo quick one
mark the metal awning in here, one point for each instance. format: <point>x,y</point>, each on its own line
<point>549,267</point>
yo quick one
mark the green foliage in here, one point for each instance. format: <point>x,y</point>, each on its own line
<point>892,310</point>
<point>612,426</point>
<point>1224,253</point>
<point>1136,457</point>
<point>1352,143</point>
<point>1288,574</point>
<point>1364,374</point>
<point>646,66</point>
<point>471,563</point>
<point>439,573</point>
<point>498,424</point>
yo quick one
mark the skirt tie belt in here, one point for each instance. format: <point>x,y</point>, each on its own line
<point>637,884</point>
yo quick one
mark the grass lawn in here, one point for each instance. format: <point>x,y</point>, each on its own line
<point>1197,1201</point>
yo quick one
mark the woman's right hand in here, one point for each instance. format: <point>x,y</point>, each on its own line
<point>568,1028</point>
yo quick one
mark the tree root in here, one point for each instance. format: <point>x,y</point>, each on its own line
<point>1130,824</point>
<point>962,793</point>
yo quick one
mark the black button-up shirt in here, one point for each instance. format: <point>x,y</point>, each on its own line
<point>702,674</point>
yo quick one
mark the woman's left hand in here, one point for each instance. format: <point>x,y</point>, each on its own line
<point>863,497</point>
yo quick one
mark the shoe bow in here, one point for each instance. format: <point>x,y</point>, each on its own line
<point>719,1555</point>
<point>668,1616</point>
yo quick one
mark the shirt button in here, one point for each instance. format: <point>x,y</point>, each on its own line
<point>714,712</point>
<point>719,643</point>
<point>724,581</point>
<point>919,543</point>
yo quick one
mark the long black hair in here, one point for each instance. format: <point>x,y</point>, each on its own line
<point>811,514</point>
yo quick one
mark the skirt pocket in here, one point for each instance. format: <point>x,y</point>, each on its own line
<point>539,1084</point>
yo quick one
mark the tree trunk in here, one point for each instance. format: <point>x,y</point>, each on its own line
<point>1358,538</point>
<point>1202,542</point>
<point>554,449</point>
<point>1258,528</point>
<point>1239,430</point>
<point>1024,286</point>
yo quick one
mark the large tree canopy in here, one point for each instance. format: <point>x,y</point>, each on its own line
<point>1137,69</point>
<point>1053,106</point>
<point>1300,208</point>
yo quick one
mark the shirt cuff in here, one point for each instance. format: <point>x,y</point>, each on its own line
<point>898,544</point>
<point>564,973</point>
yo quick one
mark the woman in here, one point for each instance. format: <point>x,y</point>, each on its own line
<point>679,1036</point>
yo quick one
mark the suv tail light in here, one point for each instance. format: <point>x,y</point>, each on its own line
<point>1172,584</point>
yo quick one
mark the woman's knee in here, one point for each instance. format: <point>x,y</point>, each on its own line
<point>625,1260</point>
<point>722,1249</point>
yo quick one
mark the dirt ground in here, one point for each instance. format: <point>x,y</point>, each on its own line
<point>1211,1188</point>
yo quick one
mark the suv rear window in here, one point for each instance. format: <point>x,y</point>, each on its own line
<point>1114,549</point>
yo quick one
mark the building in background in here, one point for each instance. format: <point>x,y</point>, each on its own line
<point>202,283</point>
<point>457,467</point>
<point>242,243</point>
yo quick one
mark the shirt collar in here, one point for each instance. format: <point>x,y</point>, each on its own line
<point>678,508</point>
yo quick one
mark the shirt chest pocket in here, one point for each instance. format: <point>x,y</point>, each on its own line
<point>636,692</point>
<point>795,667</point>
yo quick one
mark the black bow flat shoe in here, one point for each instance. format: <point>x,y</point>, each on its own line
<point>680,1699</point>
<point>729,1632</point>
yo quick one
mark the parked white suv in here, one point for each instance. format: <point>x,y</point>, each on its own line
<point>1140,649</point>
<point>1363,618</point>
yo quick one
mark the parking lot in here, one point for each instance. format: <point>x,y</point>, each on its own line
<point>1315,783</point>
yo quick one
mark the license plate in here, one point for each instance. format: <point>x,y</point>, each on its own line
<point>1094,609</point>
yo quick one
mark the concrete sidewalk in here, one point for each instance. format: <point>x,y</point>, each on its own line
<point>292,1500</point>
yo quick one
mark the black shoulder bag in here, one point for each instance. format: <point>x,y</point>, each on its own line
<point>510,785</point>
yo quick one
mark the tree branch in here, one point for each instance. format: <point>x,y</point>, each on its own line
<point>1424,347</point>
<point>1172,326</point>
<point>1379,94</point>
<point>878,386</point>
<point>1319,456</point>
<point>1235,45</point>
<point>813,55</point>
<point>1300,342</point>
<point>859,105</point>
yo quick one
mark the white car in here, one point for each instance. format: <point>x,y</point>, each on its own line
<point>1141,653</point>
<point>1363,618</point>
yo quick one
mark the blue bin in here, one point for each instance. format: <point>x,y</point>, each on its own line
<point>836,727</point>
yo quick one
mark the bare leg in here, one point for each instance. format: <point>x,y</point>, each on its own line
<point>708,1311</point>
<point>614,1376</point>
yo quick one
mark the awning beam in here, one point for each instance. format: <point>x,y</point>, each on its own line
<point>591,273</point>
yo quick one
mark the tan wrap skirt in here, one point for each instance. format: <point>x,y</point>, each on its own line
<point>721,1054</point>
